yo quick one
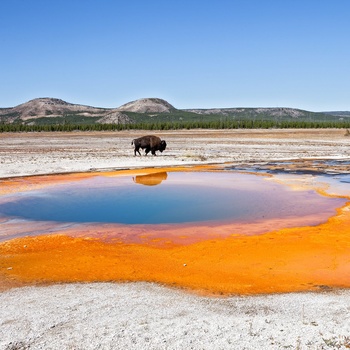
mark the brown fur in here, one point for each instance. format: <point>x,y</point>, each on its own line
<point>149,143</point>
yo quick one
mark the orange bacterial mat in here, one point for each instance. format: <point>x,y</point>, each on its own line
<point>216,258</point>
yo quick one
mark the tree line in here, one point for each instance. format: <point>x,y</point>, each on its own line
<point>225,124</point>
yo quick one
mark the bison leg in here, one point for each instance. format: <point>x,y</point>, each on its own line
<point>137,149</point>
<point>147,150</point>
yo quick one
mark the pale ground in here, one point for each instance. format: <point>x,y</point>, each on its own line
<point>147,316</point>
<point>43,153</point>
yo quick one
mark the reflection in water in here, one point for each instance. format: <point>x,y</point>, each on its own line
<point>151,179</point>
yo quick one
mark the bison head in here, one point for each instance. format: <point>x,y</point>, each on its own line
<point>162,146</point>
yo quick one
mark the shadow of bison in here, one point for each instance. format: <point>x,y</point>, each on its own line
<point>149,143</point>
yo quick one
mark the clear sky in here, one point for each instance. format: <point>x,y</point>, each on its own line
<point>192,53</point>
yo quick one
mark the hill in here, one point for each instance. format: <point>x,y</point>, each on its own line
<point>340,114</point>
<point>262,113</point>
<point>54,110</point>
<point>49,107</point>
<point>146,111</point>
<point>147,105</point>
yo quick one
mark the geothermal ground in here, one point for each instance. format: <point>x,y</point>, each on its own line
<point>47,153</point>
<point>149,316</point>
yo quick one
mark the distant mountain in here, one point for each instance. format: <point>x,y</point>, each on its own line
<point>148,105</point>
<point>46,111</point>
<point>277,114</point>
<point>46,107</point>
<point>345,114</point>
<point>54,108</point>
<point>272,112</point>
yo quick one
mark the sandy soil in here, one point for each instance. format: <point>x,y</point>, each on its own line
<point>147,316</point>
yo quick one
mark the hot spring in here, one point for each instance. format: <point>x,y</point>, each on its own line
<point>214,230</point>
<point>175,198</point>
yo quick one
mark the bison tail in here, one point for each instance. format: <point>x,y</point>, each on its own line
<point>132,142</point>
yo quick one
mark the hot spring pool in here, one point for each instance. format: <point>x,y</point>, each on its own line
<point>219,231</point>
<point>174,198</point>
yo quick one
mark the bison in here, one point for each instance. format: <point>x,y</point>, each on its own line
<point>150,143</point>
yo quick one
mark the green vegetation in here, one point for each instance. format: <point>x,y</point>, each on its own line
<point>175,125</point>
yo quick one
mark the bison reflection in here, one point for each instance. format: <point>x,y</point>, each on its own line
<point>150,179</point>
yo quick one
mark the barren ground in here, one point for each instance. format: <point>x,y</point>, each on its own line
<point>43,153</point>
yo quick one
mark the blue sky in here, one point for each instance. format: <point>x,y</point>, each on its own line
<point>192,53</point>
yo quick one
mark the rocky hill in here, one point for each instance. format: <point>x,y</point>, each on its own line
<point>40,108</point>
<point>146,110</point>
<point>147,105</point>
<point>114,117</point>
<point>48,107</point>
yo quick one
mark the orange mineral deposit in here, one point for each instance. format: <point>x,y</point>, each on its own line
<point>281,252</point>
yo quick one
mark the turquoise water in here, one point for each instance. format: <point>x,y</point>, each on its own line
<point>169,198</point>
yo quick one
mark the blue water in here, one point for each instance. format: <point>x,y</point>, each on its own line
<point>177,198</point>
